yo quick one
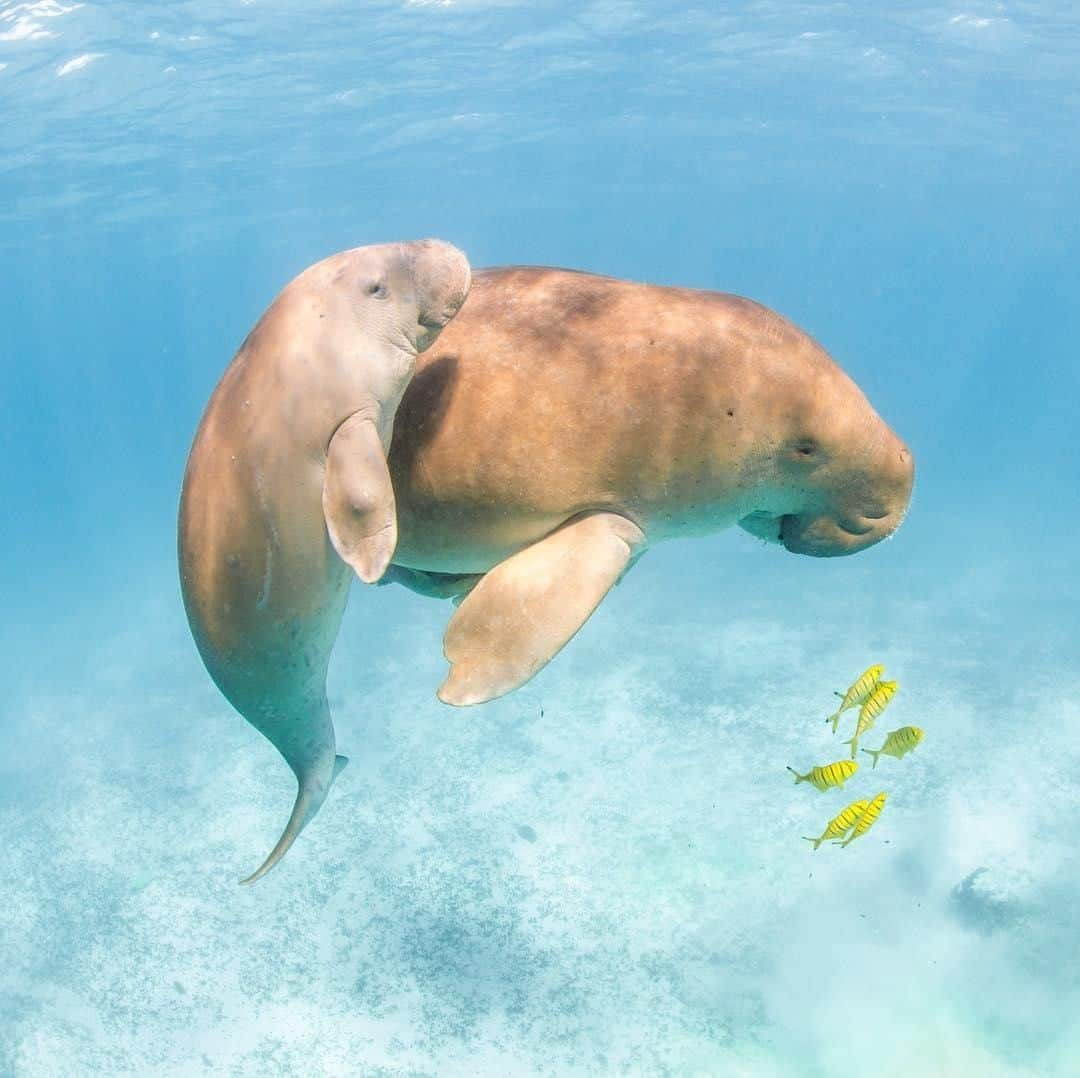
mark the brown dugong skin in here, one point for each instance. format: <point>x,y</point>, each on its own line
<point>263,584</point>
<point>554,393</point>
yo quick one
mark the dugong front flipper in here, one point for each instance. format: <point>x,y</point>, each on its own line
<point>358,499</point>
<point>287,470</point>
<point>526,608</point>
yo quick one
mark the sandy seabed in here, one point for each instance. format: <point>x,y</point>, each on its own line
<point>601,874</point>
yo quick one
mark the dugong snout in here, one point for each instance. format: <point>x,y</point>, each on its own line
<point>443,278</point>
<point>868,507</point>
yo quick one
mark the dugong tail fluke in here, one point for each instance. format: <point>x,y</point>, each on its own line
<point>313,788</point>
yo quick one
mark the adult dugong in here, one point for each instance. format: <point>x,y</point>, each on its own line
<point>287,490</point>
<point>565,421</point>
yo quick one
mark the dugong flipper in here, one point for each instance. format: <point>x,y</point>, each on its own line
<point>287,486</point>
<point>358,499</point>
<point>523,611</point>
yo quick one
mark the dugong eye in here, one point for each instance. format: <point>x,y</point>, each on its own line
<point>804,448</point>
<point>377,290</point>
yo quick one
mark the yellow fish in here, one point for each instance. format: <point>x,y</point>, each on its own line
<point>858,692</point>
<point>898,743</point>
<point>840,825</point>
<point>828,774</point>
<point>866,820</point>
<point>875,704</point>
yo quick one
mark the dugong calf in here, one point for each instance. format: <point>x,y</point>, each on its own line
<point>566,421</point>
<point>287,490</point>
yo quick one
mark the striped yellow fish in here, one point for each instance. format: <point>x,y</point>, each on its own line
<point>862,687</point>
<point>875,704</point>
<point>840,825</point>
<point>827,775</point>
<point>866,820</point>
<point>898,743</point>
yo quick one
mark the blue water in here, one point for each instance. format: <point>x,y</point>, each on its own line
<point>602,873</point>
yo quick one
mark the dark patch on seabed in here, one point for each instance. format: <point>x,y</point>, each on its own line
<point>975,904</point>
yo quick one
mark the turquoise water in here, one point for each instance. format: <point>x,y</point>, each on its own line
<point>602,873</point>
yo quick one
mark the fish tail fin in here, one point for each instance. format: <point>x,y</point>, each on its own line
<point>875,753</point>
<point>314,782</point>
<point>835,720</point>
<point>816,841</point>
<point>798,778</point>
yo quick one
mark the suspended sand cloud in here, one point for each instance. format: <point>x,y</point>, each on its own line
<point>616,882</point>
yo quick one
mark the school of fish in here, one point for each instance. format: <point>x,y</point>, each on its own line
<point>871,695</point>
